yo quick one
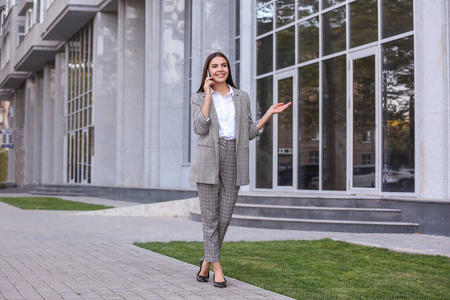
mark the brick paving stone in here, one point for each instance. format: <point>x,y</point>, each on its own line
<point>62,255</point>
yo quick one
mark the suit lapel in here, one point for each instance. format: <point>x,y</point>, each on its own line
<point>237,112</point>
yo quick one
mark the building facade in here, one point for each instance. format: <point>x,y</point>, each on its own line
<point>99,91</point>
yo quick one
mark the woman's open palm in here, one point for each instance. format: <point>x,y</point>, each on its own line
<point>279,107</point>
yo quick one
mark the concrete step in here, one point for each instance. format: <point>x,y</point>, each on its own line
<point>319,213</point>
<point>318,225</point>
<point>280,199</point>
<point>60,193</point>
<point>60,190</point>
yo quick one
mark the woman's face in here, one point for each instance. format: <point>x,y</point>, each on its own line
<point>218,69</point>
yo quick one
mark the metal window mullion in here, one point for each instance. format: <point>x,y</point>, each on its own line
<point>78,87</point>
<point>83,70</point>
<point>89,61</point>
<point>294,107</point>
<point>397,37</point>
<point>320,62</point>
<point>328,9</point>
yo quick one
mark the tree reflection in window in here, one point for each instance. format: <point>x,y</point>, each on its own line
<point>398,115</point>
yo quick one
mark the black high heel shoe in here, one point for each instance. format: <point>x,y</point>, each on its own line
<point>200,277</point>
<point>222,284</point>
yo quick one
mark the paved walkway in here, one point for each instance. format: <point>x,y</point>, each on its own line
<point>65,255</point>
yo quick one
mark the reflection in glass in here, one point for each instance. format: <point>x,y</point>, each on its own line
<point>363,22</point>
<point>237,74</point>
<point>264,150</point>
<point>264,19</point>
<point>286,47</point>
<point>307,7</point>
<point>308,40</point>
<point>285,132</point>
<point>364,122</point>
<point>237,51</point>
<point>264,57</point>
<point>334,31</point>
<point>285,12</point>
<point>398,115</point>
<point>334,124</point>
<point>329,3</point>
<point>397,17</point>
<point>237,18</point>
<point>308,127</point>
<point>262,2</point>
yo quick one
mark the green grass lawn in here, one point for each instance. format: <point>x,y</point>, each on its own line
<point>324,269</point>
<point>48,203</point>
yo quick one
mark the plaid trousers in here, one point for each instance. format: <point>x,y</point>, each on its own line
<point>217,201</point>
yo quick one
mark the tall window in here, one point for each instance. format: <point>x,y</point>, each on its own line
<point>21,34</point>
<point>80,104</point>
<point>316,38</point>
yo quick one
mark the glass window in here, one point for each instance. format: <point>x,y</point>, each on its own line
<point>329,3</point>
<point>308,127</point>
<point>285,129</point>
<point>364,118</point>
<point>363,22</point>
<point>334,31</point>
<point>264,19</point>
<point>286,47</point>
<point>308,40</point>
<point>79,113</point>
<point>398,115</point>
<point>307,7</point>
<point>264,57</point>
<point>334,124</point>
<point>237,18</point>
<point>285,12</point>
<point>21,34</point>
<point>397,17</point>
<point>264,143</point>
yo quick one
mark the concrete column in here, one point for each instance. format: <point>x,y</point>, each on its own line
<point>211,32</point>
<point>37,90</point>
<point>173,94</point>
<point>48,123</point>
<point>59,166</point>
<point>105,106</point>
<point>130,94</point>
<point>247,66</point>
<point>29,136</point>
<point>152,92</point>
<point>431,56</point>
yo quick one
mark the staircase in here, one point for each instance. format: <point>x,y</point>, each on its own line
<point>317,214</point>
<point>61,190</point>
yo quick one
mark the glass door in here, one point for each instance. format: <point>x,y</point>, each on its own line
<point>363,101</point>
<point>284,158</point>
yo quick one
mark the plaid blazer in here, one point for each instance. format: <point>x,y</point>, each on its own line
<point>205,167</point>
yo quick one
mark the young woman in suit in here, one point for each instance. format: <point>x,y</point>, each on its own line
<point>222,119</point>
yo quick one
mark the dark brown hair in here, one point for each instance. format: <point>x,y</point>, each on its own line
<point>206,67</point>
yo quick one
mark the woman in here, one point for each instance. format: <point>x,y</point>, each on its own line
<point>222,119</point>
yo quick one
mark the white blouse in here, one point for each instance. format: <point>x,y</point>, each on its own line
<point>224,106</point>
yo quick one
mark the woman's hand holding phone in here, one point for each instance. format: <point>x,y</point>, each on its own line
<point>208,83</point>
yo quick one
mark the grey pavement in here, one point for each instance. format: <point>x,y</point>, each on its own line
<point>67,255</point>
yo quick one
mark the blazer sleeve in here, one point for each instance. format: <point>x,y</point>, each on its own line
<point>201,124</point>
<point>253,131</point>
